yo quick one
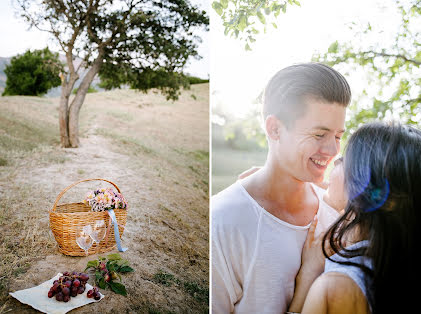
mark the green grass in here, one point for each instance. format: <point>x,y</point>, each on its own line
<point>228,163</point>
<point>198,292</point>
<point>22,134</point>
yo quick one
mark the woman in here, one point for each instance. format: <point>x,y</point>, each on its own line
<point>374,268</point>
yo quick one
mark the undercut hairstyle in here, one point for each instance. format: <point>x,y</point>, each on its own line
<point>288,92</point>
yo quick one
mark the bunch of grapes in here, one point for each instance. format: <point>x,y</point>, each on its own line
<point>94,293</point>
<point>70,284</point>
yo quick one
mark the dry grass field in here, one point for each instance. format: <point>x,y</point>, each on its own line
<point>154,150</point>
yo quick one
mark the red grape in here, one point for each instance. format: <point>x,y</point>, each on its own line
<point>76,283</point>
<point>59,296</point>
<point>90,293</point>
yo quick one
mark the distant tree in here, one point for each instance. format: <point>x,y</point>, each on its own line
<point>239,17</point>
<point>393,68</point>
<point>140,43</point>
<point>33,73</point>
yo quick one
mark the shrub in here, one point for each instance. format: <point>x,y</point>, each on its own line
<point>33,73</point>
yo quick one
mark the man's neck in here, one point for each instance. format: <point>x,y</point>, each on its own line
<point>282,195</point>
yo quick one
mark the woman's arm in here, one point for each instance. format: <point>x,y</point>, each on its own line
<point>312,265</point>
<point>335,293</point>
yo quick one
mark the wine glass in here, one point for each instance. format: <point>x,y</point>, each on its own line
<point>83,237</point>
<point>98,231</point>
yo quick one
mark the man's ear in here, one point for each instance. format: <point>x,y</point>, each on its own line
<point>273,127</point>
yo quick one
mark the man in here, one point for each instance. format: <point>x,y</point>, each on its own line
<point>259,224</point>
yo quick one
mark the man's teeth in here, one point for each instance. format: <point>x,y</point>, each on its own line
<point>319,162</point>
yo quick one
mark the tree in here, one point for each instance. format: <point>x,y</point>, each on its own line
<point>33,73</point>
<point>240,16</point>
<point>393,68</point>
<point>143,44</point>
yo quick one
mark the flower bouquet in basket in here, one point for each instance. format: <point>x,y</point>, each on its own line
<point>101,216</point>
<point>105,199</point>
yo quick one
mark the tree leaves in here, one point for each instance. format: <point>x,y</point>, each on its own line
<point>109,269</point>
<point>239,17</point>
<point>33,73</point>
<point>132,37</point>
<point>393,69</point>
<point>118,288</point>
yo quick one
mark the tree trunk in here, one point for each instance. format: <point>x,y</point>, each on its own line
<point>66,90</point>
<point>74,109</point>
<point>63,117</point>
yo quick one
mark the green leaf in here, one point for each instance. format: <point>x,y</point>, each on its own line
<point>242,23</point>
<point>126,269</point>
<point>98,276</point>
<point>247,47</point>
<point>122,262</point>
<point>114,257</point>
<point>333,48</point>
<point>274,25</point>
<point>217,7</point>
<point>261,17</point>
<point>224,3</point>
<point>102,283</point>
<point>118,288</point>
<point>94,264</point>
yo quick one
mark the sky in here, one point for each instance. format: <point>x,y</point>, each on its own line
<point>239,76</point>
<point>16,38</point>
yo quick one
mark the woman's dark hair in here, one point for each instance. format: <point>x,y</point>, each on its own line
<point>288,91</point>
<point>382,166</point>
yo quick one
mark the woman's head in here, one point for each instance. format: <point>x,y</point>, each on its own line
<point>382,168</point>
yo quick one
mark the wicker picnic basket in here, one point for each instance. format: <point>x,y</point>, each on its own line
<point>65,218</point>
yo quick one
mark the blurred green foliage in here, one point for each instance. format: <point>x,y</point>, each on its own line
<point>91,89</point>
<point>393,68</point>
<point>33,73</point>
<point>196,80</point>
<point>244,18</point>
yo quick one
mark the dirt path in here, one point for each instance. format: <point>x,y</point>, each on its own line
<point>167,226</point>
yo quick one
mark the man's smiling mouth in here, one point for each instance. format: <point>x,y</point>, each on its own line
<point>322,163</point>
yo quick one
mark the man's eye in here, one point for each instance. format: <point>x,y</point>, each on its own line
<point>338,138</point>
<point>319,135</point>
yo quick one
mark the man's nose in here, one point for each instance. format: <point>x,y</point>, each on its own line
<point>331,147</point>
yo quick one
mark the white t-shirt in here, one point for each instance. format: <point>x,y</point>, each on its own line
<point>255,255</point>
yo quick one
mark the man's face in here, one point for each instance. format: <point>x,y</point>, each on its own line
<point>312,141</point>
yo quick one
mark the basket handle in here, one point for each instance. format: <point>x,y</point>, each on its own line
<point>72,185</point>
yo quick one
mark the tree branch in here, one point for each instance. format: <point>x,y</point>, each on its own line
<point>400,56</point>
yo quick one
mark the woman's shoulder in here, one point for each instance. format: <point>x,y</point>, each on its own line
<point>336,293</point>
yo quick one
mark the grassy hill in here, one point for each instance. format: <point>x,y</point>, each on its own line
<point>154,150</point>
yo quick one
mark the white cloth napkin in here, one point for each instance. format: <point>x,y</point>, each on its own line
<point>37,297</point>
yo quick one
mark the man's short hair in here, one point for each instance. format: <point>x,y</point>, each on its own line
<point>287,93</point>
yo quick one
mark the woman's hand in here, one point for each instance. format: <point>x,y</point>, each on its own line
<point>312,265</point>
<point>312,258</point>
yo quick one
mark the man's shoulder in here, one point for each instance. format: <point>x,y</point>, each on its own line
<point>233,203</point>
